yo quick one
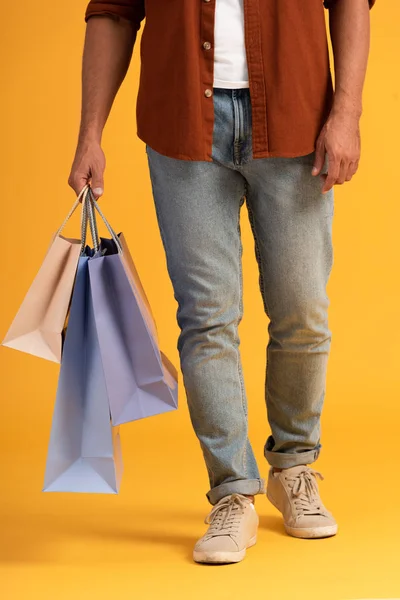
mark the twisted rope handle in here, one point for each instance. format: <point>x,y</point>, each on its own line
<point>93,224</point>
<point>84,215</point>
<point>84,223</point>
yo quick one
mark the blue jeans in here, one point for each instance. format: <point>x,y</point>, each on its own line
<point>198,206</point>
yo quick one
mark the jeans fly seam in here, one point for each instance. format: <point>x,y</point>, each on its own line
<point>236,125</point>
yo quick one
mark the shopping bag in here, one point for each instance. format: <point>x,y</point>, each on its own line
<point>140,379</point>
<point>37,327</point>
<point>84,453</point>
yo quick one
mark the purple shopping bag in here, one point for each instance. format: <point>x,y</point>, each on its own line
<point>84,453</point>
<point>140,380</point>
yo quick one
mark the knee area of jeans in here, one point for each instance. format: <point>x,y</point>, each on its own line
<point>209,329</point>
<point>310,314</point>
<point>300,331</point>
<point>299,339</point>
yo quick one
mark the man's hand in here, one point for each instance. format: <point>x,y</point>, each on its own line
<point>340,137</point>
<point>340,141</point>
<point>89,163</point>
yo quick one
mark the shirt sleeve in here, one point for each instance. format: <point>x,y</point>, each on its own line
<point>133,10</point>
<point>330,3</point>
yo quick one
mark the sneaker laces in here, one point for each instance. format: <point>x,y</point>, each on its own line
<point>305,492</point>
<point>224,518</point>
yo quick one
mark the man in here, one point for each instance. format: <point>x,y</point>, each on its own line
<point>236,104</point>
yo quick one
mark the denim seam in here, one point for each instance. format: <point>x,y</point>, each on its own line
<point>158,215</point>
<point>163,239</point>
<point>261,279</point>
<point>261,273</point>
<point>258,255</point>
<point>211,474</point>
<point>240,373</point>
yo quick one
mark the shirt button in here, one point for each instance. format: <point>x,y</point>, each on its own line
<point>206,0</point>
<point>207,93</point>
<point>206,45</point>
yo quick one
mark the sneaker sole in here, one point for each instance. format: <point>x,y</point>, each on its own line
<point>313,532</point>
<point>301,532</point>
<point>222,557</point>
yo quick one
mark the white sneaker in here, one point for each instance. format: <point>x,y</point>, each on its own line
<point>233,528</point>
<point>294,492</point>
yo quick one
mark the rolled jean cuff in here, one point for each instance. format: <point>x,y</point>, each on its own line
<point>285,460</point>
<point>249,487</point>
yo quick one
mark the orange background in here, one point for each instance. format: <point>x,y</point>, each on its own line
<point>138,544</point>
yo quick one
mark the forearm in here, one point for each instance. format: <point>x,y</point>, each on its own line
<point>349,22</point>
<point>106,57</point>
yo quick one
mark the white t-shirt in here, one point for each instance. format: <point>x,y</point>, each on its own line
<point>230,62</point>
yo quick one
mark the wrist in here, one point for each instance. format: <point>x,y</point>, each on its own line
<point>90,135</point>
<point>346,105</point>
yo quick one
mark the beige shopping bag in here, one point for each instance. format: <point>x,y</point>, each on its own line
<point>38,326</point>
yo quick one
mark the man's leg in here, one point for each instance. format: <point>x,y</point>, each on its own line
<point>198,206</point>
<point>292,225</point>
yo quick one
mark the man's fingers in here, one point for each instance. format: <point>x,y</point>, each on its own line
<point>88,168</point>
<point>333,174</point>
<point>319,159</point>
<point>97,186</point>
<point>339,173</point>
<point>77,183</point>
<point>344,167</point>
<point>353,167</point>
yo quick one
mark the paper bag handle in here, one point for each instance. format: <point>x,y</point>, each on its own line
<point>91,202</point>
<point>84,215</point>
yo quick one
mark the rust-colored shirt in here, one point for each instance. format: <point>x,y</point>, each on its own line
<point>288,63</point>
